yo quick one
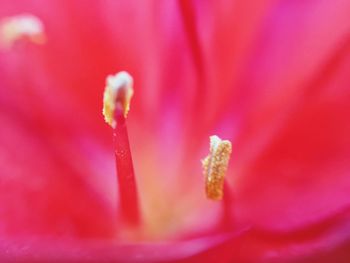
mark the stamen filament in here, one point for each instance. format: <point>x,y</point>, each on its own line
<point>128,194</point>
<point>227,202</point>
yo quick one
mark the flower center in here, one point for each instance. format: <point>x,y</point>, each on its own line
<point>116,104</point>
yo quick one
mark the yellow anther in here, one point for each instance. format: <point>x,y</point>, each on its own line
<point>25,26</point>
<point>118,93</point>
<point>215,167</point>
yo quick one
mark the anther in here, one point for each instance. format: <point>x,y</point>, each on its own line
<point>118,94</point>
<point>215,167</point>
<point>24,26</point>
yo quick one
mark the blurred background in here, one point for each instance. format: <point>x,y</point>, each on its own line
<point>272,76</point>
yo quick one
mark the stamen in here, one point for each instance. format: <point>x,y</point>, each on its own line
<point>118,93</point>
<point>215,167</point>
<point>17,27</point>
<point>117,96</point>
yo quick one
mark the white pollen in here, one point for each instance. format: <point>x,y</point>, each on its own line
<point>214,142</point>
<point>119,88</point>
<point>119,80</point>
<point>21,26</point>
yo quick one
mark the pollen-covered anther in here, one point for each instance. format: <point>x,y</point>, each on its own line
<point>117,95</point>
<point>215,167</point>
<point>24,26</point>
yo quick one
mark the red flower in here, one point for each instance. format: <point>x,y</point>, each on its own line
<point>270,76</point>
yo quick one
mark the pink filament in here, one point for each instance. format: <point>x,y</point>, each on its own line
<point>129,204</point>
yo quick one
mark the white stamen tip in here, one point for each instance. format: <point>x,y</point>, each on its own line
<point>24,26</point>
<point>119,89</point>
